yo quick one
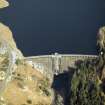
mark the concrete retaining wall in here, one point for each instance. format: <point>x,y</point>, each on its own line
<point>55,64</point>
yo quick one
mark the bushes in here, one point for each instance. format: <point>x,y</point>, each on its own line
<point>85,86</point>
<point>19,61</point>
<point>44,87</point>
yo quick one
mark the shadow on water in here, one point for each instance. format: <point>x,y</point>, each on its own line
<point>61,86</point>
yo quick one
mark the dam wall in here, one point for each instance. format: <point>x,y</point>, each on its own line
<point>57,63</point>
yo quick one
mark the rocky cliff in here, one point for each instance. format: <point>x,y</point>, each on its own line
<point>6,35</point>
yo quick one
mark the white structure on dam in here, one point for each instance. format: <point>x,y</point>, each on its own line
<point>57,63</point>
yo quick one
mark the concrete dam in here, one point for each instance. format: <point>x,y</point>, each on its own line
<point>56,63</point>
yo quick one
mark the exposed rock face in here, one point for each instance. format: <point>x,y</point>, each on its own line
<point>6,35</point>
<point>101,44</point>
<point>101,38</point>
<point>3,3</point>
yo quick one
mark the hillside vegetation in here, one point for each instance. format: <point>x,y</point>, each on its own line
<point>88,81</point>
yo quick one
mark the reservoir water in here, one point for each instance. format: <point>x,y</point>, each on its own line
<point>48,26</point>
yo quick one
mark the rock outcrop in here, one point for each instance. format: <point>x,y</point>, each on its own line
<point>3,3</point>
<point>7,36</point>
<point>101,39</point>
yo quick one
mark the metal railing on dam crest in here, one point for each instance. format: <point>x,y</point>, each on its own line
<point>57,63</point>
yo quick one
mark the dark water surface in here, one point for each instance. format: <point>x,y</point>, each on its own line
<point>48,26</point>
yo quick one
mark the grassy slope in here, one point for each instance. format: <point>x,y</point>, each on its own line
<point>22,89</point>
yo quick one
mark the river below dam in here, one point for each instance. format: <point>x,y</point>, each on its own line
<point>45,27</point>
